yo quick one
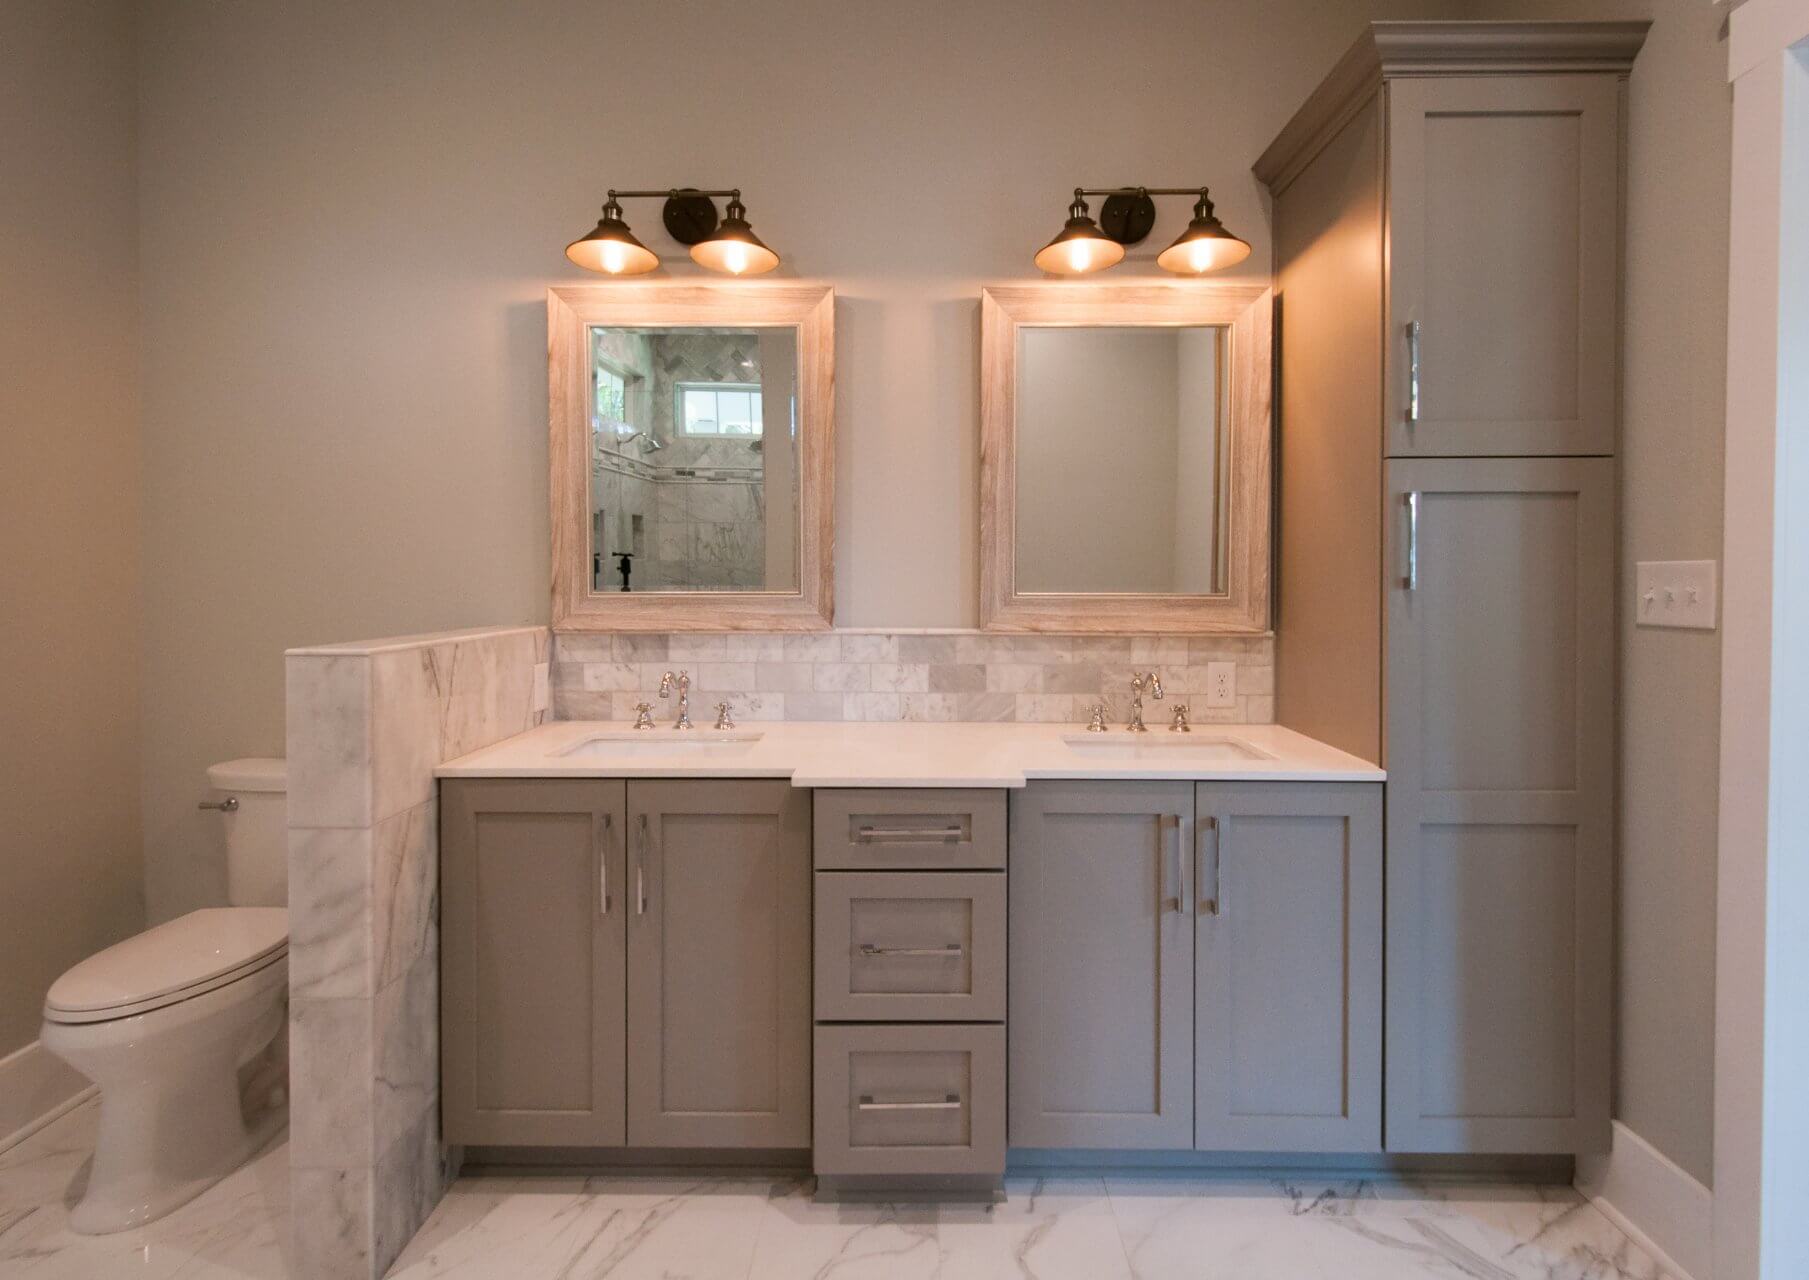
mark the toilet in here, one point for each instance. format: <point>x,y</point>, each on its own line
<point>180,1026</point>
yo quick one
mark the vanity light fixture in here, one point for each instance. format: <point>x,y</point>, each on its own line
<point>1126,218</point>
<point>727,244</point>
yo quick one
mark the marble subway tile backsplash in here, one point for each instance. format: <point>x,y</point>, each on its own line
<point>903,675</point>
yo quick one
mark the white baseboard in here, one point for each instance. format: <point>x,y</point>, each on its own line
<point>36,1087</point>
<point>1643,1192</point>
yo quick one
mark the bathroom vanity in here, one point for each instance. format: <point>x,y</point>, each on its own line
<point>827,936</point>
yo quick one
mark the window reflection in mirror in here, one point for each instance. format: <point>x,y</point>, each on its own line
<point>1122,460</point>
<point>694,476</point>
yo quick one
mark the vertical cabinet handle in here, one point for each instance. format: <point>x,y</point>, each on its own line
<point>1413,371</point>
<point>1410,578</point>
<point>1178,902</point>
<point>640,871</point>
<point>605,824</point>
<point>1210,903</point>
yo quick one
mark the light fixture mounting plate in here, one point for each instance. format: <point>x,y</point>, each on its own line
<point>690,218</point>
<point>1127,216</point>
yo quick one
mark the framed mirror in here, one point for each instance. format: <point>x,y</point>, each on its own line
<point>1125,458</point>
<point>692,452</point>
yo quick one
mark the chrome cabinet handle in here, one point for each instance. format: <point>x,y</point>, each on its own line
<point>1210,905</point>
<point>952,949</point>
<point>1178,903</point>
<point>605,824</point>
<point>1413,371</point>
<point>640,871</point>
<point>868,1102</point>
<point>1411,579</point>
<point>874,835</point>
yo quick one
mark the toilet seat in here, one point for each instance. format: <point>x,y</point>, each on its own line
<point>186,957</point>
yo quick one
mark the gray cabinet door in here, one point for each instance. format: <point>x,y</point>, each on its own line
<point>719,964</point>
<point>1100,991</point>
<point>1500,673</point>
<point>1288,988</point>
<point>1504,210</point>
<point>532,950</point>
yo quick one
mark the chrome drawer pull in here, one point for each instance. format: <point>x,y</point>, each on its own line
<point>950,1103</point>
<point>952,949</point>
<point>871,835</point>
<point>1413,371</point>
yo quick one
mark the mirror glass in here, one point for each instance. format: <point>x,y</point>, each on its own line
<point>694,459</point>
<point>1122,453</point>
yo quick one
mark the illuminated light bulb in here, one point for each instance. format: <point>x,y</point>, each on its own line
<point>1080,247</point>
<point>735,258</point>
<point>1204,246</point>
<point>611,248</point>
<point>733,247</point>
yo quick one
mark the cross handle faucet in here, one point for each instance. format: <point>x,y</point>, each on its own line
<point>683,680</point>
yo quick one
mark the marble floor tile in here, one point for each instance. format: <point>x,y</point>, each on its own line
<point>1358,1230</point>
<point>235,1229</point>
<point>1058,1228</point>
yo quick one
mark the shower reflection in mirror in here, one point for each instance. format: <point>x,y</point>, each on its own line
<point>693,459</point>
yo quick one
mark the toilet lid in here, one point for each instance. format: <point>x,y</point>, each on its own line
<point>190,951</point>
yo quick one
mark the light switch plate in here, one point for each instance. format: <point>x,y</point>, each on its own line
<point>1675,593</point>
<point>542,693</point>
<point>1221,684</point>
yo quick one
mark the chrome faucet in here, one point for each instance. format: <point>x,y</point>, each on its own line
<point>683,680</point>
<point>643,715</point>
<point>1179,724</point>
<point>1097,722</point>
<point>1139,683</point>
<point>725,718</point>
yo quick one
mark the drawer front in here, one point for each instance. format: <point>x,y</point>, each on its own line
<point>910,1100</point>
<point>910,830</point>
<point>910,946</point>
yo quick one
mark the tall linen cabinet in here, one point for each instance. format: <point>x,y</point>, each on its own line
<point>1448,209</point>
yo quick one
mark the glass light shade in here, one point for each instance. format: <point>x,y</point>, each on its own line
<point>612,249</point>
<point>1081,247</point>
<point>733,248</point>
<point>1205,246</point>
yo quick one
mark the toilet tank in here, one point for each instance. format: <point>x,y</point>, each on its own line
<point>257,831</point>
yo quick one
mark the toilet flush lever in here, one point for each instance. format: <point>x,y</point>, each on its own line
<point>228,805</point>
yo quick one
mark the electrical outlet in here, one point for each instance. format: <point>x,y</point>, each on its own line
<point>542,682</point>
<point>1675,593</point>
<point>1221,684</point>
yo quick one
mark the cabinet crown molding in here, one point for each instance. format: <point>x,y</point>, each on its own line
<point>1393,49</point>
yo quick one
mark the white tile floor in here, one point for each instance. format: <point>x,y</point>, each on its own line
<point>1062,1229</point>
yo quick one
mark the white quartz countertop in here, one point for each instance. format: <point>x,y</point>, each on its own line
<point>894,754</point>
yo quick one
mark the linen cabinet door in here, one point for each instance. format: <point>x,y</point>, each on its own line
<point>1288,986</point>
<point>1500,671</point>
<point>1100,989</point>
<point>532,959</point>
<point>719,938</point>
<point>1504,217</point>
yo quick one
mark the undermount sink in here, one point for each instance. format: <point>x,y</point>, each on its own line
<point>664,742</point>
<point>1160,742</point>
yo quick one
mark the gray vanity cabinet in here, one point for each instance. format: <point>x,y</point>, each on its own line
<point>1288,972</point>
<point>1101,970</point>
<point>1500,786</point>
<point>1196,966</point>
<point>532,960</point>
<point>1504,214</point>
<point>625,963</point>
<point>719,987</point>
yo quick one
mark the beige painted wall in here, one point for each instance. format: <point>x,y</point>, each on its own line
<point>351,212</point>
<point>70,857</point>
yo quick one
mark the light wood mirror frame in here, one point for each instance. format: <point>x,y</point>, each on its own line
<point>1247,313</point>
<point>571,310</point>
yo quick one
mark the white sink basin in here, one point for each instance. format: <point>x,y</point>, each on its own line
<point>1161,744</point>
<point>665,742</point>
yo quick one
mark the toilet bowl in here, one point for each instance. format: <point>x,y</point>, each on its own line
<point>180,1027</point>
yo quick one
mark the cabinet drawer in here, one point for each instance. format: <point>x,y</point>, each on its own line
<point>910,1100</point>
<point>910,945</point>
<point>910,829</point>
